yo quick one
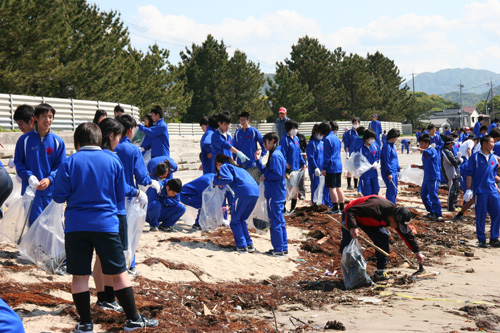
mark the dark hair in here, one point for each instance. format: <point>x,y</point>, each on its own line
<point>43,109</point>
<point>484,138</point>
<point>454,135</point>
<point>150,120</point>
<point>223,118</point>
<point>204,121</point>
<point>162,168</point>
<point>495,133</point>
<point>333,125</point>
<point>109,126</point>
<point>290,124</point>
<point>483,128</point>
<point>431,126</point>
<point>119,109</point>
<point>213,122</point>
<point>227,113</point>
<point>495,120</point>
<point>393,133</point>
<point>369,133</point>
<point>244,114</point>
<point>98,114</point>
<point>480,118</point>
<point>355,119</point>
<point>425,138</point>
<point>271,136</point>
<point>175,185</point>
<point>127,121</point>
<point>447,139</point>
<point>157,110</point>
<point>222,158</point>
<point>314,130</point>
<point>360,130</point>
<point>24,112</point>
<point>87,134</point>
<point>324,128</point>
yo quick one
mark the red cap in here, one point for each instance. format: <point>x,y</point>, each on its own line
<point>282,110</point>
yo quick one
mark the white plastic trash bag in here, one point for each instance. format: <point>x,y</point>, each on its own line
<point>259,218</point>
<point>357,164</point>
<point>15,221</point>
<point>43,244</point>
<point>354,266</point>
<point>412,175</point>
<point>136,219</point>
<point>292,184</point>
<point>147,157</point>
<point>317,196</point>
<point>211,213</point>
<point>17,185</point>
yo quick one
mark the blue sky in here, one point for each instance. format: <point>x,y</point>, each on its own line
<point>423,36</point>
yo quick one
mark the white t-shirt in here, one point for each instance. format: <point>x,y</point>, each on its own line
<point>467,144</point>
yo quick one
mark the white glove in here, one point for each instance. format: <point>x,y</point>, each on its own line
<point>156,186</point>
<point>347,155</point>
<point>433,145</point>
<point>317,172</point>
<point>11,163</point>
<point>375,165</point>
<point>242,157</point>
<point>468,195</point>
<point>459,154</point>
<point>143,198</point>
<point>33,181</point>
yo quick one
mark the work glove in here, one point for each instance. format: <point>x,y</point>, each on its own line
<point>317,172</point>
<point>468,195</point>
<point>459,154</point>
<point>347,156</point>
<point>156,186</point>
<point>375,165</point>
<point>11,163</point>
<point>433,145</point>
<point>242,157</point>
<point>33,181</point>
<point>143,198</point>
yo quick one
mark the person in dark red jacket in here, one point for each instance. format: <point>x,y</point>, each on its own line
<point>372,214</point>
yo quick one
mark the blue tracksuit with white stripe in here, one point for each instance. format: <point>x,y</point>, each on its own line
<point>290,147</point>
<point>133,163</point>
<point>389,166</point>
<point>160,159</point>
<point>314,151</point>
<point>245,140</point>
<point>206,148</point>
<point>221,144</point>
<point>275,192</point>
<point>483,169</point>
<point>377,127</point>
<point>368,182</point>
<point>39,158</point>
<point>160,144</point>
<point>162,208</point>
<point>191,194</point>
<point>246,193</point>
<point>430,185</point>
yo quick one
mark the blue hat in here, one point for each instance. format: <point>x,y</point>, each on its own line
<point>375,115</point>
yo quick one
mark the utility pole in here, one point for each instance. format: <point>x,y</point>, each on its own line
<point>492,101</point>
<point>413,82</point>
<point>461,105</point>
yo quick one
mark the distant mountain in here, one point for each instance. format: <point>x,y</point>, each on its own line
<point>448,80</point>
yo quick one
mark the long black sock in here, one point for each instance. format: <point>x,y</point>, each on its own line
<point>101,296</point>
<point>127,301</point>
<point>355,182</point>
<point>82,303</point>
<point>294,203</point>
<point>348,181</point>
<point>341,206</point>
<point>110,294</point>
<point>335,206</point>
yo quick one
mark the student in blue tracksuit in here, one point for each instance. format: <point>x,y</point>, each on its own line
<point>389,165</point>
<point>431,164</point>
<point>456,143</point>
<point>483,130</point>
<point>290,147</point>
<point>405,145</point>
<point>418,134</point>
<point>447,131</point>
<point>481,174</point>
<point>368,182</point>
<point>165,209</point>
<point>477,126</point>
<point>245,140</point>
<point>210,124</point>
<point>146,141</point>
<point>314,151</point>
<point>24,116</point>
<point>37,157</point>
<point>376,126</point>
<point>91,182</point>
<point>332,165</point>
<point>160,144</point>
<point>350,138</point>
<point>222,141</point>
<point>384,137</point>
<point>273,176</point>
<point>191,194</point>
<point>494,124</point>
<point>437,143</point>
<point>9,320</point>
<point>162,167</point>
<point>246,194</point>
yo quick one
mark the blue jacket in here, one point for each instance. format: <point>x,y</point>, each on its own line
<point>160,145</point>
<point>492,126</point>
<point>404,142</point>
<point>476,129</point>
<point>159,159</point>
<point>238,179</point>
<point>389,163</point>
<point>447,132</point>
<point>496,149</point>
<point>377,127</point>
<point>41,159</point>
<point>314,151</point>
<point>197,186</point>
<point>332,162</point>
<point>456,148</point>
<point>220,145</point>
<point>372,154</point>
<point>91,181</point>
<point>483,172</point>
<point>163,197</point>
<point>275,186</point>
<point>133,163</point>
<point>206,148</point>
<point>9,320</point>
<point>350,137</point>
<point>438,141</point>
<point>280,126</point>
<point>291,150</point>
<point>146,143</point>
<point>432,164</point>
<point>246,142</point>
